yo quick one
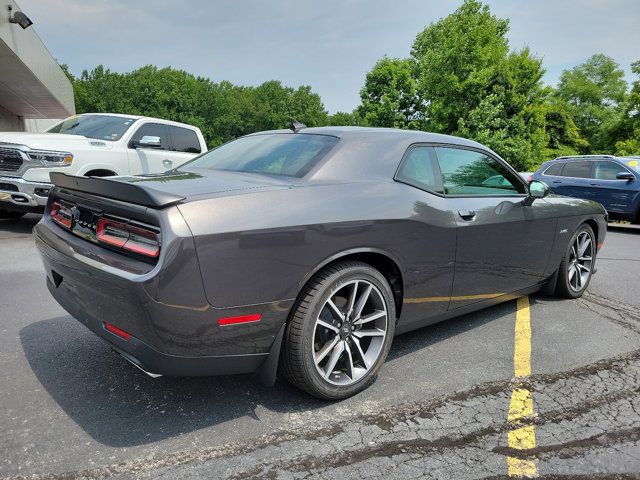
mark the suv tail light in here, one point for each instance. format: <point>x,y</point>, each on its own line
<point>128,237</point>
<point>61,214</point>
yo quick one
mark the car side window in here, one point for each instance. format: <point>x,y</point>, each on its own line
<point>467,172</point>
<point>608,170</point>
<point>419,168</point>
<point>577,170</point>
<point>153,130</point>
<point>184,140</point>
<point>554,170</point>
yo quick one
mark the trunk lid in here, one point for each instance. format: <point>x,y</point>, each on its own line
<point>169,188</point>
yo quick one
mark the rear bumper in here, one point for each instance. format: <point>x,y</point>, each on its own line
<point>20,195</point>
<point>174,331</point>
<point>148,358</point>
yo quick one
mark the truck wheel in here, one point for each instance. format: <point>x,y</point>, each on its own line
<point>340,332</point>
<point>4,214</point>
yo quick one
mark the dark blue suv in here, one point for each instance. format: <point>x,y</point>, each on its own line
<point>612,181</point>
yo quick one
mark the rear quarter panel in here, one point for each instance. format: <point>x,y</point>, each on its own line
<point>264,247</point>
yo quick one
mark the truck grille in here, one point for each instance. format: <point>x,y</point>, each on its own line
<point>10,160</point>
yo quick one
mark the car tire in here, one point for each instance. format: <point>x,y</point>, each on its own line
<point>331,350</point>
<point>7,214</point>
<point>576,268</point>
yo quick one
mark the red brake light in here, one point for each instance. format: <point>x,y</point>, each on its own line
<point>61,214</point>
<point>128,237</point>
<point>530,178</point>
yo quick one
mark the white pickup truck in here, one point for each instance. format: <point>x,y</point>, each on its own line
<point>92,144</point>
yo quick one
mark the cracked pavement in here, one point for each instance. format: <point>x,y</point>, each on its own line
<point>439,408</point>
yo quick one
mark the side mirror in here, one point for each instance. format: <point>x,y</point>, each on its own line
<point>148,141</point>
<point>537,189</point>
<point>625,176</point>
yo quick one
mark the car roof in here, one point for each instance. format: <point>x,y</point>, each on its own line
<point>125,115</point>
<point>139,117</point>
<point>367,153</point>
<point>572,158</point>
<point>393,134</point>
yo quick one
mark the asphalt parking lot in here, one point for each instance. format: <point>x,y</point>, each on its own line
<point>443,406</point>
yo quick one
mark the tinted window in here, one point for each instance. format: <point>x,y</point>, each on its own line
<point>465,172</point>
<point>555,169</point>
<point>577,169</point>
<point>419,168</point>
<point>153,130</point>
<point>290,154</point>
<point>184,140</point>
<point>101,127</point>
<point>608,170</point>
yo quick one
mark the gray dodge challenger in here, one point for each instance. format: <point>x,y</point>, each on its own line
<point>305,251</point>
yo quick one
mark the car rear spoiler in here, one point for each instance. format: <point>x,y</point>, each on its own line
<point>116,189</point>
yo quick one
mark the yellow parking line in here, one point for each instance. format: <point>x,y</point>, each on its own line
<point>522,349</point>
<point>521,437</point>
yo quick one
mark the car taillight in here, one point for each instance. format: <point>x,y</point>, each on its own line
<point>61,214</point>
<point>530,178</point>
<point>128,237</point>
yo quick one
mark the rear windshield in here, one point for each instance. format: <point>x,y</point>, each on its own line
<point>292,155</point>
<point>101,127</point>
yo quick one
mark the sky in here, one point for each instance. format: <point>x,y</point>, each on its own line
<point>327,44</point>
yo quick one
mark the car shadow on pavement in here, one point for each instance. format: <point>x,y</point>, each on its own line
<point>120,406</point>
<point>624,228</point>
<point>22,225</point>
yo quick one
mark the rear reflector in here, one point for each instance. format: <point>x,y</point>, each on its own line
<point>241,319</point>
<point>117,331</point>
<point>128,237</point>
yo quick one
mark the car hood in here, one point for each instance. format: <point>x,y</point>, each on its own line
<point>50,141</point>
<point>194,184</point>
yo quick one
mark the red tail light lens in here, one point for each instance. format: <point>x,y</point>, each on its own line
<point>128,237</point>
<point>530,178</point>
<point>61,214</point>
<point>117,331</point>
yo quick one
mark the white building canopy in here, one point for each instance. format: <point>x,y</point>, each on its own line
<point>32,84</point>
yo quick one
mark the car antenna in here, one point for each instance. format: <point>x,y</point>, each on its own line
<point>296,126</point>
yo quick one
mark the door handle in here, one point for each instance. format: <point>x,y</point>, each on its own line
<point>467,214</point>
<point>594,184</point>
<point>167,163</point>
<point>557,181</point>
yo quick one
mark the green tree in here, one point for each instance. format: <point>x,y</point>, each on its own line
<point>474,86</point>
<point>563,135</point>
<point>457,59</point>
<point>344,119</point>
<point>222,111</point>
<point>595,92</point>
<point>629,130</point>
<point>389,96</point>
